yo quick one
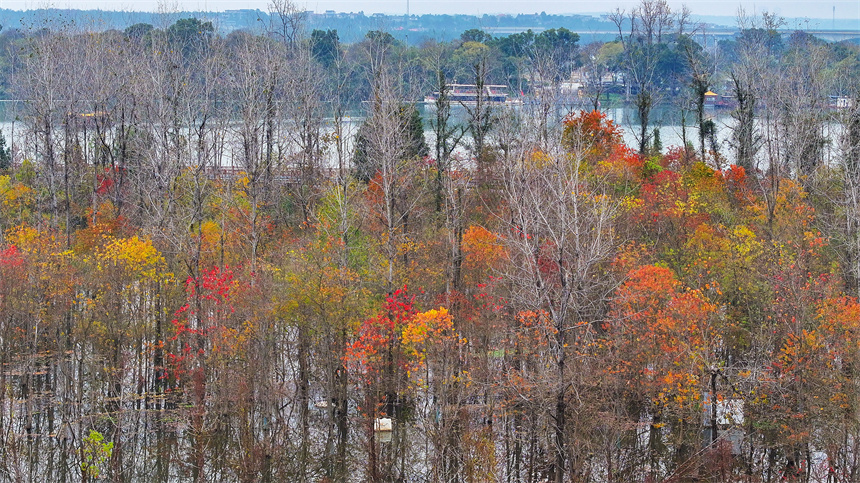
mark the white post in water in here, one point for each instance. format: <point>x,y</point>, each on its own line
<point>383,428</point>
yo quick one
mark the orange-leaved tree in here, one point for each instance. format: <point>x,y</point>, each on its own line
<point>663,343</point>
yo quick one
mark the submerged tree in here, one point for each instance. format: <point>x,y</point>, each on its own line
<point>643,33</point>
<point>561,240</point>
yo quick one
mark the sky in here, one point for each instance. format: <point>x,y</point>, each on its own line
<point>844,9</point>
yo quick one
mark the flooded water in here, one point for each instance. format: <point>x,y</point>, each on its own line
<point>668,120</point>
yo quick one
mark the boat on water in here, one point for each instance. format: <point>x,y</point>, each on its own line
<point>467,95</point>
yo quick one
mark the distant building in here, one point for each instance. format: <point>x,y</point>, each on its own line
<point>841,102</point>
<point>711,99</point>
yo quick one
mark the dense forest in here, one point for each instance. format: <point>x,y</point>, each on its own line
<point>213,269</point>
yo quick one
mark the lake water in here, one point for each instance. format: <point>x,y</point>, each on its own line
<point>669,123</point>
<point>667,120</point>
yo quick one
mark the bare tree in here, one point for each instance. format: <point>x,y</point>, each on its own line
<point>256,70</point>
<point>804,110</point>
<point>561,239</point>
<point>548,71</point>
<point>700,72</point>
<point>759,134</point>
<point>42,82</point>
<point>844,221</point>
<point>641,32</point>
<point>304,110</point>
<point>480,116</point>
<point>447,131</point>
<point>595,69</point>
<point>288,21</point>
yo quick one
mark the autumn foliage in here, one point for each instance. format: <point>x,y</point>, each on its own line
<point>578,309</point>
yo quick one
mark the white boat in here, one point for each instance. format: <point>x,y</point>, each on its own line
<point>467,95</point>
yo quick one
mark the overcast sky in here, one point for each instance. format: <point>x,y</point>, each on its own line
<point>845,9</point>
